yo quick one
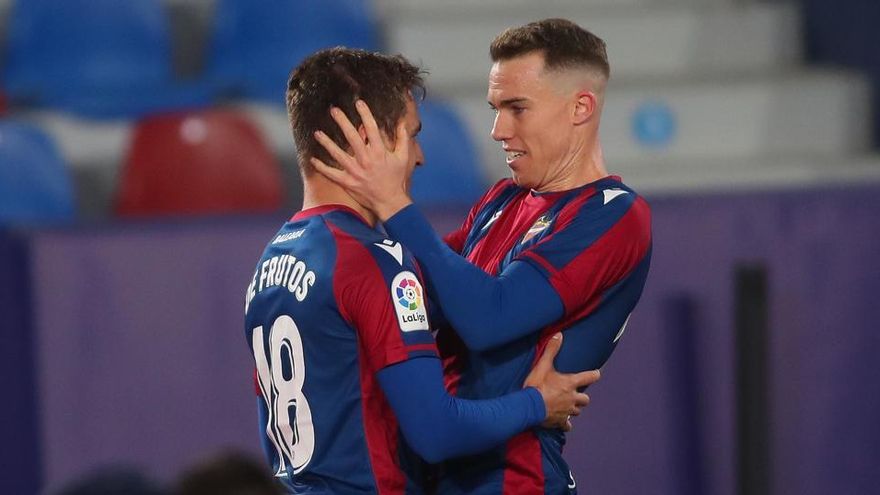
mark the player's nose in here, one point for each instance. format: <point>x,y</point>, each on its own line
<point>501,128</point>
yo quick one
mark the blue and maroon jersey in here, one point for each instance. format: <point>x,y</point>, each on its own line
<point>331,303</point>
<point>593,245</point>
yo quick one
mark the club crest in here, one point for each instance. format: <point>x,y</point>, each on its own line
<point>540,225</point>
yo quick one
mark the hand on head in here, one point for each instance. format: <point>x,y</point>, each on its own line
<point>376,172</point>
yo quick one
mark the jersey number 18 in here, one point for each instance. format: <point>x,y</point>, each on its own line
<point>281,376</point>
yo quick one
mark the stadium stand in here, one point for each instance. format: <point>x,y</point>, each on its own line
<point>452,174</point>
<point>844,34</point>
<point>695,87</point>
<point>207,162</point>
<point>255,44</point>
<point>97,58</point>
<point>35,183</point>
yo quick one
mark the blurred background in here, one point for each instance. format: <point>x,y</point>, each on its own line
<point>145,160</point>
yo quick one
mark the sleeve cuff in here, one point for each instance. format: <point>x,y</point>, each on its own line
<point>538,409</point>
<point>411,228</point>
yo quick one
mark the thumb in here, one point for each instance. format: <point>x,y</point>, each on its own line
<point>550,352</point>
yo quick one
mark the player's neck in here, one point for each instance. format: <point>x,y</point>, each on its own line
<point>592,163</point>
<point>584,165</point>
<point>320,191</point>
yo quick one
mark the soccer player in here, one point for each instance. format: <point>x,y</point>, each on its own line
<point>337,321</point>
<point>562,246</point>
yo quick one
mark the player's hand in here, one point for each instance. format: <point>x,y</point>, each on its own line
<point>560,391</point>
<point>375,173</point>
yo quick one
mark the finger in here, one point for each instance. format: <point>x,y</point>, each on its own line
<point>334,174</point>
<point>585,378</point>
<point>369,122</point>
<point>341,156</point>
<point>581,400</point>
<point>553,345</point>
<point>350,132</point>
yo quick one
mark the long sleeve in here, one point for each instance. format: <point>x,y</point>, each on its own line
<point>439,426</point>
<point>486,311</point>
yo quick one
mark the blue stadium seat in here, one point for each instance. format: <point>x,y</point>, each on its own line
<point>98,58</point>
<point>35,184</point>
<point>452,174</point>
<point>255,45</point>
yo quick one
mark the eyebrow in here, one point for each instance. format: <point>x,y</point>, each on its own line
<point>508,102</point>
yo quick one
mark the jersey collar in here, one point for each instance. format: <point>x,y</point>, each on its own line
<point>321,209</point>
<point>553,194</point>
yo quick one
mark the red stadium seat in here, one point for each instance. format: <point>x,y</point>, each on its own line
<point>208,162</point>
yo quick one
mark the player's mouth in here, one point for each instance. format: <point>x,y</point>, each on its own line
<point>514,155</point>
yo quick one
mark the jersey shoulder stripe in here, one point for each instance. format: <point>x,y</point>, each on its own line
<point>588,216</point>
<point>594,251</point>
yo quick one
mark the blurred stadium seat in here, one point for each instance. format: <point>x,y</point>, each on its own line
<point>207,162</point>
<point>255,45</point>
<point>97,58</point>
<point>452,174</point>
<point>35,184</point>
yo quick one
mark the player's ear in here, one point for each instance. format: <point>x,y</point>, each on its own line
<point>362,131</point>
<point>584,107</point>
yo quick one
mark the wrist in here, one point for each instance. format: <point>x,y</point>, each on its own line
<point>388,209</point>
<point>539,405</point>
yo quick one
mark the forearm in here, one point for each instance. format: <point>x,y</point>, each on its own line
<point>486,311</point>
<point>438,426</point>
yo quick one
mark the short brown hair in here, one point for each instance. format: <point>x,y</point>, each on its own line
<point>339,77</point>
<point>564,45</point>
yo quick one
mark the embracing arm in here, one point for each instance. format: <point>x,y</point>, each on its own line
<point>598,247</point>
<point>439,426</point>
<point>486,311</point>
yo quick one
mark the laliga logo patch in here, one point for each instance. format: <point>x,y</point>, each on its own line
<point>409,294</point>
<point>406,292</point>
<point>539,226</point>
